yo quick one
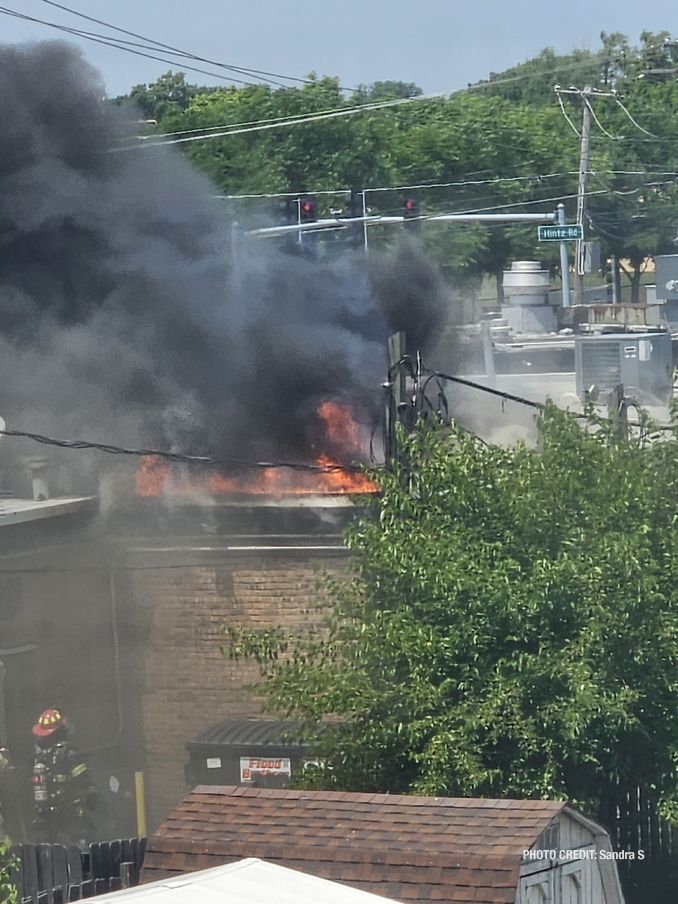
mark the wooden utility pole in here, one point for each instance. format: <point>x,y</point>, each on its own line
<point>616,287</point>
<point>395,392</point>
<point>586,95</point>
<point>584,155</point>
<point>617,411</point>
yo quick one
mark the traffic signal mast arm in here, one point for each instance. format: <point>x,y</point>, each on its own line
<point>375,220</point>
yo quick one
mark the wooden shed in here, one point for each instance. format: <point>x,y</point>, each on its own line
<point>408,848</point>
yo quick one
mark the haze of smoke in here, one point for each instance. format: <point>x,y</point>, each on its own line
<point>123,317</point>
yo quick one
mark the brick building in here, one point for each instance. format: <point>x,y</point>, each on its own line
<point>119,622</point>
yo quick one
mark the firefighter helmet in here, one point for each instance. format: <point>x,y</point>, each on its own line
<point>48,722</point>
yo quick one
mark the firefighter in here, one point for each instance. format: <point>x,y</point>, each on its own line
<point>61,783</point>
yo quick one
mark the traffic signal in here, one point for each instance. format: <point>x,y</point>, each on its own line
<point>289,211</point>
<point>411,213</point>
<point>308,209</point>
<point>353,208</point>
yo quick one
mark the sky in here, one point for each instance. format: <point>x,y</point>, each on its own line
<point>440,45</point>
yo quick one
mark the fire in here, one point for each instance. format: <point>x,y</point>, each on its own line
<point>152,475</point>
<point>340,428</point>
<point>155,476</point>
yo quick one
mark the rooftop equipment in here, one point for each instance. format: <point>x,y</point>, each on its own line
<point>641,362</point>
<point>526,289</point>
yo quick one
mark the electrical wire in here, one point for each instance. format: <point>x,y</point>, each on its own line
<point>184,458</point>
<point>280,120</point>
<point>418,186</point>
<point>511,397</point>
<point>639,127</point>
<point>536,177</point>
<point>176,50</point>
<point>173,456</point>
<point>299,119</point>
<point>564,112</point>
<point>599,124</point>
<point>605,191</point>
<point>112,43</point>
<point>228,129</point>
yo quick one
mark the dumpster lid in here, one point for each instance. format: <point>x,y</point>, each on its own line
<point>248,733</point>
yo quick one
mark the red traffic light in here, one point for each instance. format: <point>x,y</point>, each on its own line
<point>308,209</point>
<point>411,208</point>
<point>412,213</point>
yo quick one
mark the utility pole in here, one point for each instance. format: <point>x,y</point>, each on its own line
<point>395,394</point>
<point>616,293</point>
<point>617,412</point>
<point>586,95</point>
<point>584,155</point>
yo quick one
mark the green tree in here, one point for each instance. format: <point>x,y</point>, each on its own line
<point>533,81</point>
<point>8,893</point>
<point>376,91</point>
<point>169,91</point>
<point>331,154</point>
<point>511,628</point>
<point>504,145</point>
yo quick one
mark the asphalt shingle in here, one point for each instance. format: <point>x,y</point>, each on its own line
<point>413,849</point>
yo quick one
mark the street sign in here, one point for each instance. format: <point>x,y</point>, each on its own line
<point>560,233</point>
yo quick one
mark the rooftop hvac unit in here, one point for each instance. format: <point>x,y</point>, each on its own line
<point>641,362</point>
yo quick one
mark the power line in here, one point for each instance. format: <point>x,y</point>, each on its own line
<point>300,119</point>
<point>241,69</point>
<point>605,191</point>
<point>180,457</point>
<point>184,458</point>
<point>535,177</point>
<point>599,124</point>
<point>569,121</point>
<point>420,185</point>
<point>112,43</point>
<point>275,120</point>
<point>222,131</point>
<point>511,397</point>
<point>639,127</point>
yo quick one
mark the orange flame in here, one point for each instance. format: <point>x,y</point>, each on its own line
<point>152,475</point>
<point>155,476</point>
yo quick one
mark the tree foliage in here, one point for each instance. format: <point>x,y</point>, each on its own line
<point>511,628</point>
<point>170,91</point>
<point>504,144</point>
<point>8,892</point>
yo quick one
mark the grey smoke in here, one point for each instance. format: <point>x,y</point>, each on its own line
<point>123,316</point>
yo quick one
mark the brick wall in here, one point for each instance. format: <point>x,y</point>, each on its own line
<point>124,635</point>
<point>182,603</point>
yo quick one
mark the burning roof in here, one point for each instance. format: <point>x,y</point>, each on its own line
<point>156,477</point>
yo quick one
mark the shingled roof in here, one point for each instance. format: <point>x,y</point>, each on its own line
<point>408,848</point>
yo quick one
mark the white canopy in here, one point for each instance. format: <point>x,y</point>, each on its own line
<point>248,881</point>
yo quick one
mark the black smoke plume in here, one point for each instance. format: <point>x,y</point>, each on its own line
<point>125,317</point>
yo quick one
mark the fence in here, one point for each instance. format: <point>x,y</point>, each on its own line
<point>634,826</point>
<point>54,873</point>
